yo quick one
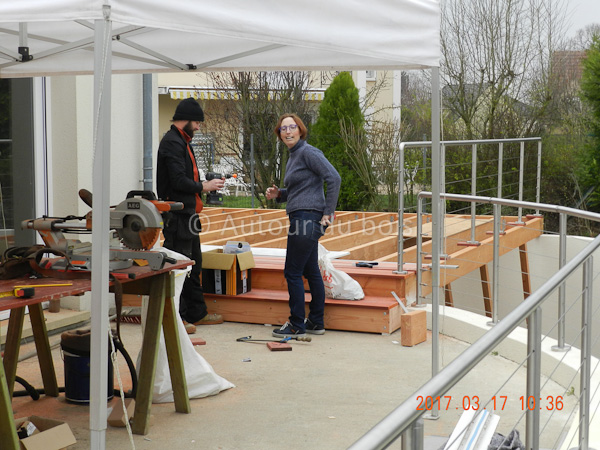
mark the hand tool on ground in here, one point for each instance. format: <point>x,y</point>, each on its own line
<point>136,223</point>
<point>285,339</point>
<point>366,264</point>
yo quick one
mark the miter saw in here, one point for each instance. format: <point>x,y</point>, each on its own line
<point>136,222</point>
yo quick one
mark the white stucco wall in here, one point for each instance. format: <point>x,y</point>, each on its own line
<point>72,153</point>
<point>73,130</point>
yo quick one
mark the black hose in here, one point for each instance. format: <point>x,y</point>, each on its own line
<point>29,389</point>
<point>119,346</point>
<point>35,393</point>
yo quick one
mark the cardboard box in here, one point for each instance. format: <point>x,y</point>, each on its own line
<point>224,273</point>
<point>53,434</point>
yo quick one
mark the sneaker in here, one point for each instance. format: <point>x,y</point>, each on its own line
<point>210,319</point>
<point>190,328</point>
<point>287,330</point>
<point>311,328</point>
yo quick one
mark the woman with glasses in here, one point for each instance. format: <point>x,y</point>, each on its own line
<point>310,212</point>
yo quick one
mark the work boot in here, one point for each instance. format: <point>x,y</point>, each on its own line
<point>190,328</point>
<point>210,319</point>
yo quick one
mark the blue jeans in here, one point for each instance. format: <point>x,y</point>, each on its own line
<point>302,259</point>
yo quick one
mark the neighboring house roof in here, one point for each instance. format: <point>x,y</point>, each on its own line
<point>567,67</point>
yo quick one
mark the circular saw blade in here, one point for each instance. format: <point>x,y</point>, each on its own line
<point>134,236</point>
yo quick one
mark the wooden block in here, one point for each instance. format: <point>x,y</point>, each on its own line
<point>198,341</point>
<point>413,328</point>
<point>117,416</point>
<point>279,347</point>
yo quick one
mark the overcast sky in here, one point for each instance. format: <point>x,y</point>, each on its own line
<point>583,12</point>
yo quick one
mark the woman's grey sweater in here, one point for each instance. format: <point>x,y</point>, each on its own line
<point>306,170</point>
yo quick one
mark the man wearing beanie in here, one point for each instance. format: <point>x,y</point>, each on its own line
<point>177,180</point>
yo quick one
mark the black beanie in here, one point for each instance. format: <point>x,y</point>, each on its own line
<point>189,109</point>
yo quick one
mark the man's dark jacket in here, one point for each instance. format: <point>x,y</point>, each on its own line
<point>175,172</point>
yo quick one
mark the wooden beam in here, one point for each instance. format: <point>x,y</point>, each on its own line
<point>449,300</point>
<point>524,260</point>
<point>487,292</point>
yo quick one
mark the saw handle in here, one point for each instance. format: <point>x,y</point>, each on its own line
<point>169,260</point>
<point>148,195</point>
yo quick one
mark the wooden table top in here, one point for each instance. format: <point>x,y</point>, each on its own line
<point>77,286</point>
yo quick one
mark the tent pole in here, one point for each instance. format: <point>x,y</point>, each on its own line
<point>100,227</point>
<point>147,118</point>
<point>436,165</point>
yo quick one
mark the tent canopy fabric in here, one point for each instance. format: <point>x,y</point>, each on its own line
<point>59,37</point>
<point>154,35</point>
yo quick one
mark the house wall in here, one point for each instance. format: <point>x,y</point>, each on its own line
<point>72,152</point>
<point>72,139</point>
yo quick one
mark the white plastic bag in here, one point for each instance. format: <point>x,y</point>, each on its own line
<point>338,284</point>
<point>201,378</point>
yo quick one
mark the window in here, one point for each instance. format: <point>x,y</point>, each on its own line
<point>6,181</point>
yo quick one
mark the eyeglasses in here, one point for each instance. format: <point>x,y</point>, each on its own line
<point>284,128</point>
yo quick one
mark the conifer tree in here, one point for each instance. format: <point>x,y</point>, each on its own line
<point>590,90</point>
<point>341,103</point>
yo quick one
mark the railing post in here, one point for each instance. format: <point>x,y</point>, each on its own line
<point>562,260</point>
<point>496,264</point>
<point>586,349</point>
<point>521,170</point>
<point>534,364</point>
<point>418,264</point>
<point>442,204</point>
<point>539,176</point>
<point>252,168</point>
<point>400,268</point>
<point>413,437</point>
<point>500,164</point>
<point>473,190</point>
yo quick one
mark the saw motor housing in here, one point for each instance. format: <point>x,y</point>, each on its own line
<point>137,223</point>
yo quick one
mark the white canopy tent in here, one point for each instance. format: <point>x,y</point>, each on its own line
<point>41,38</point>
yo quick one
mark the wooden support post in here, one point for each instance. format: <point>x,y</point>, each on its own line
<point>173,347</point>
<point>485,287</point>
<point>448,295</point>
<point>150,342</point>
<point>8,432</point>
<point>524,259</point>
<point>42,345</point>
<point>13,345</point>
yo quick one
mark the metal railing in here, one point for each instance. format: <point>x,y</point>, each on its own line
<point>474,147</point>
<point>406,420</point>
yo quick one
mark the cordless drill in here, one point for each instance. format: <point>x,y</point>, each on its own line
<point>214,197</point>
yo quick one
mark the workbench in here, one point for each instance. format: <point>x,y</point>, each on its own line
<point>157,284</point>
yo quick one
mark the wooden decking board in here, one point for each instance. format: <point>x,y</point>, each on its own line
<point>360,233</point>
<point>373,315</point>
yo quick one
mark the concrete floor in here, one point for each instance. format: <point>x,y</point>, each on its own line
<point>322,395</point>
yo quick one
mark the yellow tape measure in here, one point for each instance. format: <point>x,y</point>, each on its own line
<point>22,292</point>
<point>27,291</point>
